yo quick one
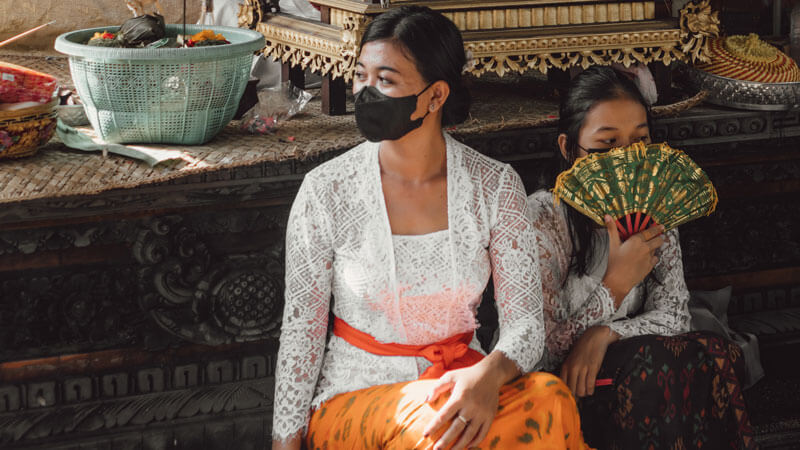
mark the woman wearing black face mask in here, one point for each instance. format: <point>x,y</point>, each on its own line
<point>404,232</point>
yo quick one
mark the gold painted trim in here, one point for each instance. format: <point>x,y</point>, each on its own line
<point>527,17</point>
<point>491,4</point>
<point>332,49</point>
<point>339,17</point>
<point>352,6</point>
<point>580,47</point>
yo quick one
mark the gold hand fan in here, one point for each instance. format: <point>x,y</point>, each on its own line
<point>639,185</point>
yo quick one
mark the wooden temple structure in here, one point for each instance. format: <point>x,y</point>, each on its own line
<point>500,36</point>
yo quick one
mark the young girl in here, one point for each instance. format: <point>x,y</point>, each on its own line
<point>616,313</point>
<point>398,238</point>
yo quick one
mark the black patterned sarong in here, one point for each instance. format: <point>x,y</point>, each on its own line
<point>669,392</point>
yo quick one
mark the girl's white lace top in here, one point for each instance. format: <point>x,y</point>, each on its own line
<point>341,256</point>
<point>573,303</point>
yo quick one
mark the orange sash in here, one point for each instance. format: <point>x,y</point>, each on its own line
<point>447,354</point>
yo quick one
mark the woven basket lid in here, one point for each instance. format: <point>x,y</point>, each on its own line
<point>748,58</point>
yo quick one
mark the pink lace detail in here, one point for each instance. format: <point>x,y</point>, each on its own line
<point>339,245</point>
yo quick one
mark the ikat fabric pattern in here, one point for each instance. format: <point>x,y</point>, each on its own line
<point>669,392</point>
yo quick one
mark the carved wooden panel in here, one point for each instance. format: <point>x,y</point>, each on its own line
<point>200,261</point>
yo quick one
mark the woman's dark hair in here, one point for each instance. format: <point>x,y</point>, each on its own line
<point>435,46</point>
<point>593,85</point>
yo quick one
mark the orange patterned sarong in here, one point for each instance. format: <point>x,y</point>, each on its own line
<point>535,411</point>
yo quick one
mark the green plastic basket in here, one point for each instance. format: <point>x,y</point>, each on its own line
<point>161,95</point>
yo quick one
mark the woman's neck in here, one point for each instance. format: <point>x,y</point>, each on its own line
<point>417,157</point>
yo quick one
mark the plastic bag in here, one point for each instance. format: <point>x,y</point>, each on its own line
<point>274,106</point>
<point>142,30</point>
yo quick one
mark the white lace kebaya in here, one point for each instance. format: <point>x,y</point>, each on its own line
<point>341,256</point>
<point>573,303</point>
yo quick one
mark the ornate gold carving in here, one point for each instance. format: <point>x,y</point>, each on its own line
<point>503,64</point>
<point>698,23</point>
<point>305,51</point>
<point>332,49</point>
<point>321,48</point>
<point>353,30</point>
<point>249,13</point>
<point>519,55</point>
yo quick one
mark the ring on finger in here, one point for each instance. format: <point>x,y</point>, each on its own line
<point>461,418</point>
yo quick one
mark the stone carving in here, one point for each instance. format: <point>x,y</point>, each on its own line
<point>68,312</point>
<point>203,298</point>
<point>118,402</point>
<point>758,247</point>
<point>230,290</point>
<point>211,273</point>
<point>198,287</point>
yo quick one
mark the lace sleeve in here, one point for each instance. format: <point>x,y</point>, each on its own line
<point>309,259</point>
<point>667,304</point>
<point>517,284</point>
<point>563,323</point>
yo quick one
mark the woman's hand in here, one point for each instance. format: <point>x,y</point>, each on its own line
<point>580,369</point>
<point>630,262</point>
<point>470,410</point>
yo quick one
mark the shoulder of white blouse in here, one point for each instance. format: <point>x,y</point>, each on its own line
<point>475,161</point>
<point>542,208</point>
<point>339,166</point>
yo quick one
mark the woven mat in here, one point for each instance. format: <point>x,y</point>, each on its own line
<point>57,171</point>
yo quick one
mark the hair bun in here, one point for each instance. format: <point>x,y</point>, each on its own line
<point>456,108</point>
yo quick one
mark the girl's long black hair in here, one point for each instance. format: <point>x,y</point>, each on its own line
<point>593,85</point>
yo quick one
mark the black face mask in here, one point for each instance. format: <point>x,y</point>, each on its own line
<point>383,118</point>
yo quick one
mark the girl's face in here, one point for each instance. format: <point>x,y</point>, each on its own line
<point>384,65</point>
<point>613,123</point>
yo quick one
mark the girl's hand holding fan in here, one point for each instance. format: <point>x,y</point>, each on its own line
<point>637,192</point>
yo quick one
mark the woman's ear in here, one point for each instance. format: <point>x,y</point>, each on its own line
<point>440,90</point>
<point>436,94</point>
<point>562,145</point>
